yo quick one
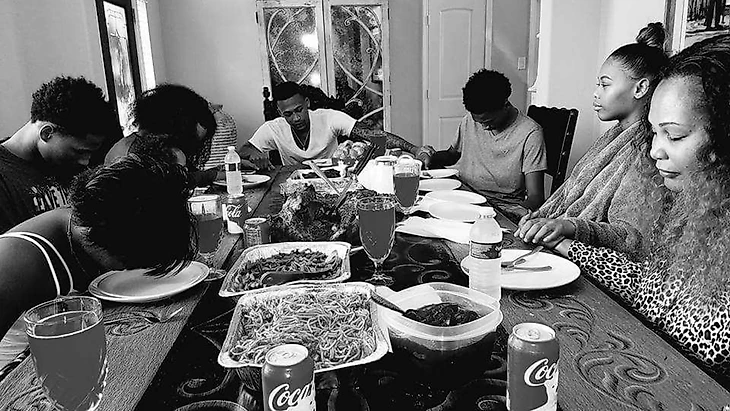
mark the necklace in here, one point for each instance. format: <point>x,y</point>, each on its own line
<point>73,251</point>
<point>301,143</point>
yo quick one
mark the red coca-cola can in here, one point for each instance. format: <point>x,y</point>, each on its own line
<point>288,379</point>
<point>532,368</point>
<point>236,211</point>
<point>256,231</point>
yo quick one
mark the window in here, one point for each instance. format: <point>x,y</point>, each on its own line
<point>119,50</point>
<point>339,46</point>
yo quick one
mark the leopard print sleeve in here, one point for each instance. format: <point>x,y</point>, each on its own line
<point>612,269</point>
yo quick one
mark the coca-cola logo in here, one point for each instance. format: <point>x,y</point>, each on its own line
<point>539,372</point>
<point>234,211</point>
<point>281,398</point>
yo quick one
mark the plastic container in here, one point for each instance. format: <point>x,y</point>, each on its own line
<point>234,180</point>
<point>446,356</point>
<point>485,247</point>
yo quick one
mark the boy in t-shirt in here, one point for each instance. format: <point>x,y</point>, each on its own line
<point>498,151</point>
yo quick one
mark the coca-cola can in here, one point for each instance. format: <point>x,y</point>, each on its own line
<point>288,379</point>
<point>236,211</point>
<point>532,368</point>
<point>256,231</point>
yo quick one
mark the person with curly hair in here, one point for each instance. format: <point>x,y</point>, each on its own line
<point>683,287</point>
<point>181,113</point>
<point>498,151</point>
<point>596,203</point>
<point>70,122</point>
<point>129,214</point>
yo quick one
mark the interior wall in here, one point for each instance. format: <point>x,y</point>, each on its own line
<point>41,40</point>
<point>406,86</point>
<point>510,32</point>
<point>212,47</point>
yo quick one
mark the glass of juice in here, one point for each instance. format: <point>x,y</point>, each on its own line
<point>68,346</point>
<point>376,217</point>
<point>208,214</point>
<point>406,175</point>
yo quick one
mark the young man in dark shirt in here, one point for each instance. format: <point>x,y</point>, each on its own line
<point>70,122</point>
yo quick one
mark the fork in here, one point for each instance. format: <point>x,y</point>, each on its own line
<point>521,259</point>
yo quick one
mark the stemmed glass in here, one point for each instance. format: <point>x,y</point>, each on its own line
<point>406,177</point>
<point>68,344</point>
<point>376,217</point>
<point>208,215</point>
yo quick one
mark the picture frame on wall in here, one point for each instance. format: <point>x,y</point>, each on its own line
<point>689,21</point>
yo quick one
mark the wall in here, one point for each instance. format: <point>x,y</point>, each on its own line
<point>406,88</point>
<point>212,47</point>
<point>575,38</point>
<point>40,40</point>
<point>510,31</point>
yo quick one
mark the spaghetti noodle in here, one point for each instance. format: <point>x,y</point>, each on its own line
<point>335,326</point>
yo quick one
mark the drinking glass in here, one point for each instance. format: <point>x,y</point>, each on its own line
<point>406,176</point>
<point>68,345</point>
<point>377,231</point>
<point>208,215</point>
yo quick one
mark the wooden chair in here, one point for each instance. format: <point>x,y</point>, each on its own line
<point>558,127</point>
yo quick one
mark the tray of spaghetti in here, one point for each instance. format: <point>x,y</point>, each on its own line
<point>328,261</point>
<point>338,323</point>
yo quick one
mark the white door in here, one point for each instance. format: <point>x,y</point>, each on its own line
<point>454,47</point>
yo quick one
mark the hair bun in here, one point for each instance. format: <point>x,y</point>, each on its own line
<point>653,35</point>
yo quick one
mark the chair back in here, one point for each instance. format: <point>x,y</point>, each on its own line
<point>558,127</point>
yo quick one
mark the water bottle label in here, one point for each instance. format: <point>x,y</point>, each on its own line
<point>485,251</point>
<point>231,167</point>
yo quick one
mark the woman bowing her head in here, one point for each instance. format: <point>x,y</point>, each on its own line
<point>683,287</point>
<point>129,214</point>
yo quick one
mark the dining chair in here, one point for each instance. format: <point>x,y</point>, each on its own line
<point>558,127</point>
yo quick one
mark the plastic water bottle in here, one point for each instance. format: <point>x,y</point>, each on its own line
<point>485,248</point>
<point>234,181</point>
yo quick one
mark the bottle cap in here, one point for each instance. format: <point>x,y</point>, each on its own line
<point>231,148</point>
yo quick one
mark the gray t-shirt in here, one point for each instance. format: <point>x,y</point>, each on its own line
<point>496,164</point>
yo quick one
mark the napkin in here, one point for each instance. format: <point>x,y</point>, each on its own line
<point>435,228</point>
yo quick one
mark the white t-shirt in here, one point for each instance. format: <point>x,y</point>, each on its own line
<point>325,126</point>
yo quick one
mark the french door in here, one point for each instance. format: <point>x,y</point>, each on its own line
<point>339,46</point>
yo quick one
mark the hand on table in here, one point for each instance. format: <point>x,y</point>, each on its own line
<point>256,161</point>
<point>546,231</point>
<point>424,154</point>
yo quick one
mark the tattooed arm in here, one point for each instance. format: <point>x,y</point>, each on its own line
<point>361,132</point>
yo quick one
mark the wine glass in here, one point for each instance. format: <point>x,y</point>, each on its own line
<point>406,176</point>
<point>68,345</point>
<point>377,231</point>
<point>208,215</point>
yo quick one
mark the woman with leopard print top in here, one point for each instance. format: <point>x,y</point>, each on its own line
<point>683,287</point>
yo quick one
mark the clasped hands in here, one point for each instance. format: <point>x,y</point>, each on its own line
<point>548,232</point>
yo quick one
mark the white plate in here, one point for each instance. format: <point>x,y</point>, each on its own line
<point>440,173</point>
<point>249,180</point>
<point>563,271</point>
<point>320,162</point>
<point>457,196</point>
<point>133,286</point>
<point>465,213</point>
<point>436,184</point>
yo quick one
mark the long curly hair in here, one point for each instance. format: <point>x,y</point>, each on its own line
<point>690,230</point>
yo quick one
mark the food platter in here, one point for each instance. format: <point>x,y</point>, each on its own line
<point>239,280</point>
<point>333,173</point>
<point>268,317</point>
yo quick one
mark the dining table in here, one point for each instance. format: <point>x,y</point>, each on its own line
<point>610,358</point>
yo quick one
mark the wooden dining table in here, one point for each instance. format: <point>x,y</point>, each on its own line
<point>609,358</point>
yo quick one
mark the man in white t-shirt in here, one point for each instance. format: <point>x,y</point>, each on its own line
<point>301,134</point>
<point>498,151</point>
